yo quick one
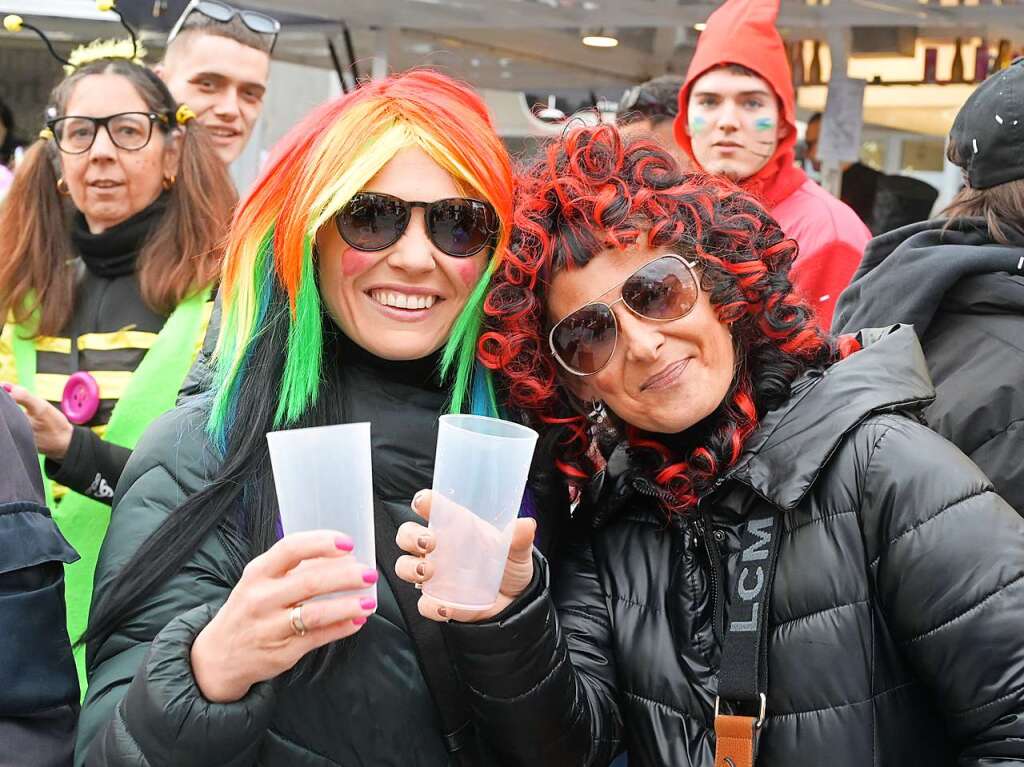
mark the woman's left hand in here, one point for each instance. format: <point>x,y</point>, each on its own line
<point>50,427</point>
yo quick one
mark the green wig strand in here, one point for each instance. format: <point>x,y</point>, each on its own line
<point>300,382</point>
<point>458,361</point>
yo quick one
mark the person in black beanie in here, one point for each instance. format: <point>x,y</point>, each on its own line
<point>959,280</point>
<point>38,685</point>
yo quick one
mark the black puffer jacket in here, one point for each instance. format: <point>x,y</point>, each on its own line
<point>964,295</point>
<point>895,620</point>
<point>370,707</point>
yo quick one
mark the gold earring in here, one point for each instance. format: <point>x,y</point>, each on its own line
<point>62,187</point>
<point>169,181</point>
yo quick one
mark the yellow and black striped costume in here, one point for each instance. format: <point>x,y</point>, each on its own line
<point>114,330</point>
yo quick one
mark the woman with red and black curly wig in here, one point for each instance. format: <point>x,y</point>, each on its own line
<point>778,557</point>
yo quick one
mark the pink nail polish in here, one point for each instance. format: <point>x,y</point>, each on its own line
<point>359,621</point>
<point>369,576</point>
<point>7,388</point>
<point>344,543</point>
<point>368,603</point>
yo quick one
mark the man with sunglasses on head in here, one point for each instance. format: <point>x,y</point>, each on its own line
<point>218,62</point>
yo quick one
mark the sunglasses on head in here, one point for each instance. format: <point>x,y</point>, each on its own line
<point>458,226</point>
<point>257,22</point>
<point>664,289</point>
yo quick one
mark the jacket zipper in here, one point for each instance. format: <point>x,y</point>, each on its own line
<point>643,487</point>
<point>714,562</point>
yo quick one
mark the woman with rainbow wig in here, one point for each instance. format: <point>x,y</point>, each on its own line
<point>353,291</point>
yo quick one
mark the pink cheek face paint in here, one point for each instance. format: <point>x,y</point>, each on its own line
<point>355,262</point>
<point>469,271</point>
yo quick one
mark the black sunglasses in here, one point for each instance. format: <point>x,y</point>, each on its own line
<point>130,131</point>
<point>259,23</point>
<point>458,226</point>
<point>664,289</point>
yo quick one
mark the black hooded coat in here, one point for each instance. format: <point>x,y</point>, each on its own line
<point>964,294</point>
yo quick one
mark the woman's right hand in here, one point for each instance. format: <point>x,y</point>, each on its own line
<point>415,568</point>
<point>251,638</point>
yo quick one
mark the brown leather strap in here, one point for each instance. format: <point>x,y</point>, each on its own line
<point>735,741</point>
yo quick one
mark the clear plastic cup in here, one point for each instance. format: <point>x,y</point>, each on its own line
<point>324,481</point>
<point>480,473</point>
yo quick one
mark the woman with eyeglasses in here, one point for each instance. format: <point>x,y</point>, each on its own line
<point>779,562</point>
<point>112,234</point>
<point>353,291</point>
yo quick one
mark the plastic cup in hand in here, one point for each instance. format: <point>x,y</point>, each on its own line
<point>479,476</point>
<point>324,481</point>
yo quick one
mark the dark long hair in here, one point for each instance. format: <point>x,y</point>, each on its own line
<point>590,192</point>
<point>240,503</point>
<point>181,256</point>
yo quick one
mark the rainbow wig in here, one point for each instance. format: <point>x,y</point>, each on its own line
<point>313,172</point>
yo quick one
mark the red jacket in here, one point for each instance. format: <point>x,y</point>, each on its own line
<point>830,235</point>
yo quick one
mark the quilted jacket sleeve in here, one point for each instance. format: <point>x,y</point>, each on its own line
<point>1002,461</point>
<point>947,557</point>
<point>542,679</point>
<point>142,705</point>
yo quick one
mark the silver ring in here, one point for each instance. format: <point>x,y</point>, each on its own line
<point>296,620</point>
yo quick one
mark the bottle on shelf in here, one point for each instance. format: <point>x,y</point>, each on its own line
<point>796,62</point>
<point>981,62</point>
<point>956,74</point>
<point>1004,55</point>
<point>814,76</point>
<point>931,57</point>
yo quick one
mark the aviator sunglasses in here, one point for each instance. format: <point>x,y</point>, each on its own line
<point>665,289</point>
<point>458,226</point>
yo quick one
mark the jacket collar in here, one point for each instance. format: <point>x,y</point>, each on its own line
<point>795,443</point>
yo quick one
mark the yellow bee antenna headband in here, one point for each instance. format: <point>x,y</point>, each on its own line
<point>96,50</point>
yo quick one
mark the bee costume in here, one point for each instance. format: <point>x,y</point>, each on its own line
<point>112,369</point>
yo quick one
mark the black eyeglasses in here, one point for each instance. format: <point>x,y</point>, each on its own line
<point>130,131</point>
<point>224,13</point>
<point>458,226</point>
<point>665,289</point>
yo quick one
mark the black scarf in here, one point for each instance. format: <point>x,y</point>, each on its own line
<point>112,253</point>
<point>423,373</point>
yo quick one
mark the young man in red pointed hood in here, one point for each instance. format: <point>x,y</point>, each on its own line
<point>737,118</point>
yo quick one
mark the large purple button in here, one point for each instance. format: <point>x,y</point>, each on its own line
<point>81,398</point>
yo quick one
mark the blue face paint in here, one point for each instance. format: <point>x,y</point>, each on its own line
<point>764,123</point>
<point>698,124</point>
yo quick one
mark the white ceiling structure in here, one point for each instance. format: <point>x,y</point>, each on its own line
<point>535,44</point>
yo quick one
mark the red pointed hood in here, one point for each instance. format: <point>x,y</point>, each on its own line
<point>743,32</point>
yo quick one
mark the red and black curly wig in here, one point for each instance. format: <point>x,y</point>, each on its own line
<point>589,192</point>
